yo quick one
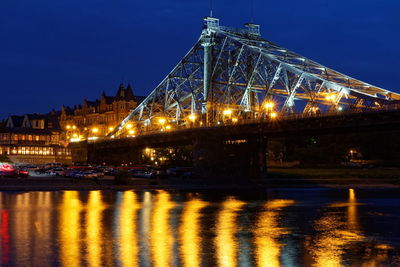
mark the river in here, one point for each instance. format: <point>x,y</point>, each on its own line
<point>280,227</point>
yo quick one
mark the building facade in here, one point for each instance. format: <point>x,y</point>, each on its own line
<point>34,138</point>
<point>94,119</point>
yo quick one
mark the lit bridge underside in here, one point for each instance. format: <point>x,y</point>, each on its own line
<point>234,75</point>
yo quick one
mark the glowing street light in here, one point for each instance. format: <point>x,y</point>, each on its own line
<point>131,132</point>
<point>168,127</point>
<point>95,130</point>
<point>227,112</point>
<point>110,128</point>
<point>73,127</point>
<point>192,117</point>
<point>330,97</point>
<point>269,105</point>
<point>68,127</point>
<point>129,126</point>
<point>273,115</point>
<point>161,121</point>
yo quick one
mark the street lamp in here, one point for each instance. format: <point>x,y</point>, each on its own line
<point>273,115</point>
<point>161,121</point>
<point>227,112</point>
<point>192,117</point>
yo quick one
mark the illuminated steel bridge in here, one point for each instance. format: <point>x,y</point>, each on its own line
<point>236,76</point>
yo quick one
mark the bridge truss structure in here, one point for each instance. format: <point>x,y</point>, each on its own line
<point>235,74</point>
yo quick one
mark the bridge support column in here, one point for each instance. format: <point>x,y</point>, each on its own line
<point>231,160</point>
<point>206,108</point>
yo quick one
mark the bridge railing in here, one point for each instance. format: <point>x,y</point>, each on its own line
<point>262,119</point>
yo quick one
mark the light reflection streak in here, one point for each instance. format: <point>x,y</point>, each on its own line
<point>69,229</point>
<point>95,207</point>
<point>23,228</point>
<point>5,239</point>
<point>43,247</point>
<point>335,234</point>
<point>128,238</point>
<point>161,236</point>
<point>189,232</point>
<point>226,227</point>
<point>267,233</point>
<point>144,231</point>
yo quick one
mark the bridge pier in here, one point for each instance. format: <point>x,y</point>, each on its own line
<point>233,160</point>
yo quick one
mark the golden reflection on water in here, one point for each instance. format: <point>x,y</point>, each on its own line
<point>335,235</point>
<point>189,232</point>
<point>69,229</point>
<point>23,228</point>
<point>161,237</point>
<point>267,233</point>
<point>226,228</point>
<point>43,227</point>
<point>127,223</point>
<point>94,227</point>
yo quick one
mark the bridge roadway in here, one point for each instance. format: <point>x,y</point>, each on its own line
<point>240,149</point>
<point>295,125</point>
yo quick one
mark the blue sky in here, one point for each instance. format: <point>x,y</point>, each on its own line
<point>58,52</point>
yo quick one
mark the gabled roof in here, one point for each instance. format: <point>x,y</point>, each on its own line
<point>50,119</point>
<point>14,121</point>
<point>93,103</point>
<point>125,94</point>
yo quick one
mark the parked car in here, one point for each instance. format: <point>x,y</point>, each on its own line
<point>56,172</point>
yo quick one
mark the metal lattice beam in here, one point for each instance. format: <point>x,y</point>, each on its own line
<point>237,69</point>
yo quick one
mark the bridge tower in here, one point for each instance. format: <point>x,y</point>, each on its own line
<point>207,43</point>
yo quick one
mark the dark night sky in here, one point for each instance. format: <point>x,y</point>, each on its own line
<point>58,52</point>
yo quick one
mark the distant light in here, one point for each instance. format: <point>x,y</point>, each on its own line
<point>74,127</point>
<point>74,139</point>
<point>161,120</point>
<point>168,127</point>
<point>129,126</point>
<point>234,119</point>
<point>93,138</point>
<point>110,128</point>
<point>330,97</point>
<point>227,112</point>
<point>68,127</point>
<point>131,132</point>
<point>273,115</point>
<point>192,117</point>
<point>95,130</point>
<point>340,108</point>
<point>269,105</point>
<point>75,135</point>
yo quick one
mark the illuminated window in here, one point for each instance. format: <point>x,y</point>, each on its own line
<point>37,138</point>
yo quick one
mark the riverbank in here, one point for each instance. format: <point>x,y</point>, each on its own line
<point>277,178</point>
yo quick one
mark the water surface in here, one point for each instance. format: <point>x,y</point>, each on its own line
<point>292,227</point>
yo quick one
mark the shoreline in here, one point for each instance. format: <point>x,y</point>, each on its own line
<point>62,183</point>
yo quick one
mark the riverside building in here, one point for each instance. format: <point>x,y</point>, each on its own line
<point>95,119</point>
<point>34,139</point>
